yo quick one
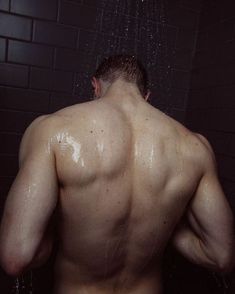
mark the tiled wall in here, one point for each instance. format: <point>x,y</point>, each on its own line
<point>211,104</point>
<point>49,50</point>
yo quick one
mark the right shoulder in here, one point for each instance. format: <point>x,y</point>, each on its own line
<point>203,152</point>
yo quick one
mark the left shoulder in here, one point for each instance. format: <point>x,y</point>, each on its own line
<point>38,134</point>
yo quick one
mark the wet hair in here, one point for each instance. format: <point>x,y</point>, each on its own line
<point>126,67</point>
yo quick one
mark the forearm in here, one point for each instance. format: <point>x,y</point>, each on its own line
<point>43,252</point>
<point>194,248</point>
<point>45,247</point>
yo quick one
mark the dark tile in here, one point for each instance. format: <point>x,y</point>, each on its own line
<point>41,79</point>
<point>75,60</point>
<point>128,46</point>
<point>226,166</point>
<point>134,8</point>
<point>202,40</point>
<point>123,25</point>
<point>179,98</point>
<point>227,30</point>
<point>186,39</point>
<point>63,81</point>
<point>231,145</point>
<point>78,15</point>
<point>193,4</point>
<point>184,18</point>
<point>178,115</point>
<point>32,54</point>
<point>13,75</point>
<point>213,36</point>
<point>2,49</point>
<point>180,79</point>
<point>202,59</point>
<point>227,9</point>
<point>193,121</point>
<point>198,99</point>
<point>228,52</point>
<point>24,99</point>
<point>15,26</point>
<point>5,184</point>
<point>51,33</point>
<point>219,141</point>
<point>204,78</point>
<point>82,87</point>
<point>229,189</point>
<point>223,97</point>
<point>9,165</point>
<point>58,102</point>
<point>43,9</point>
<point>226,75</point>
<point>211,13</point>
<point>16,121</point>
<point>4,4</point>
<point>51,80</point>
<point>98,43</point>
<point>221,120</point>
<point>169,5</point>
<point>10,143</point>
<point>171,36</point>
<point>182,59</point>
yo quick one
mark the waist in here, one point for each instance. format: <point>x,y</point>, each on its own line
<point>70,279</point>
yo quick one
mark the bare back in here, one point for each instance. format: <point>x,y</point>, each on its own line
<point>126,176</point>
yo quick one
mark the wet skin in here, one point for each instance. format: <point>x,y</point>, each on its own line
<point>121,175</point>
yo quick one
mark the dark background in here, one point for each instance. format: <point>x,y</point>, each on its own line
<point>49,50</point>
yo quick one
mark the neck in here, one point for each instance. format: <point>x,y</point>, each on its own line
<point>121,90</point>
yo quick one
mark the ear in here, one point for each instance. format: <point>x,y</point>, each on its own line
<point>96,86</point>
<point>146,97</point>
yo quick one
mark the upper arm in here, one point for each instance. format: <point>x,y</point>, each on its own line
<point>32,197</point>
<point>209,213</point>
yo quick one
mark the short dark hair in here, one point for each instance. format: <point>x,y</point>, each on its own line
<point>126,67</point>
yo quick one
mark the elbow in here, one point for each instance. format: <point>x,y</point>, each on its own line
<point>11,263</point>
<point>11,266</point>
<point>226,263</point>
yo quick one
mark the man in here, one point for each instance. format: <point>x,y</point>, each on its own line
<point>124,179</point>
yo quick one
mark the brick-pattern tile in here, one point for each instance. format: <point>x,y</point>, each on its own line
<point>193,4</point>
<point>14,26</point>
<point>9,143</point>
<point>185,39</point>
<point>180,79</point>
<point>59,101</point>
<point>9,165</point>
<point>24,99</point>
<point>2,49</point>
<point>4,4</point>
<point>15,121</point>
<point>5,184</point>
<point>51,80</point>
<point>43,9</point>
<point>74,60</point>
<point>78,15</point>
<point>182,17</point>
<point>13,75</point>
<point>97,43</point>
<point>31,54</point>
<point>54,34</point>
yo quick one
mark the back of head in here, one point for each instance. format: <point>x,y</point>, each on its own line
<point>124,67</point>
